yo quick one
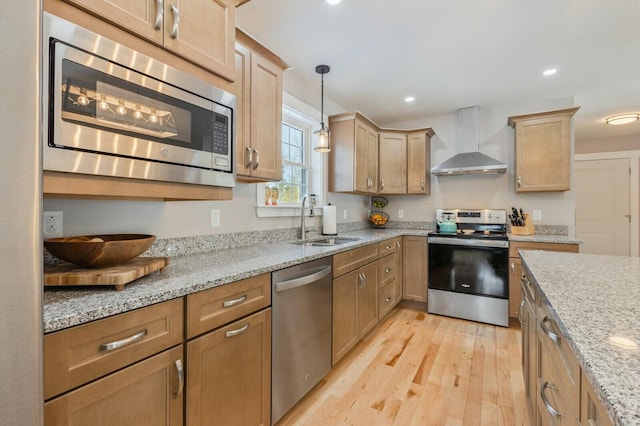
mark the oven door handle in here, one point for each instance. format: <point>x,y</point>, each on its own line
<point>468,242</point>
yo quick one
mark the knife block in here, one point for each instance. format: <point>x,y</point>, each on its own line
<point>527,229</point>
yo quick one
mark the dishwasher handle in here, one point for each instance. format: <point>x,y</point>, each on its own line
<point>302,281</point>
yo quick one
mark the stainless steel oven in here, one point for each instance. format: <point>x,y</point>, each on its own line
<point>468,267</point>
<point>110,110</point>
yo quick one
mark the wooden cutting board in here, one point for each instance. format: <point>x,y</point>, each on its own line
<point>67,274</point>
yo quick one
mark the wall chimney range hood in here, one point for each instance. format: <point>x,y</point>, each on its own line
<point>469,159</point>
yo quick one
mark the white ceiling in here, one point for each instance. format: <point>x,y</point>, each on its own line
<point>451,54</point>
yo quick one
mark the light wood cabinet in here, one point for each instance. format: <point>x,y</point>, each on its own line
<point>147,393</point>
<point>114,370</point>
<point>389,275</point>
<point>515,267</point>
<point>355,298</point>
<point>202,31</point>
<point>258,89</point>
<point>543,148</point>
<point>419,162</point>
<point>592,411</point>
<point>353,159</point>
<point>414,268</point>
<point>527,317</point>
<point>393,162</point>
<point>229,374</point>
<point>229,367</point>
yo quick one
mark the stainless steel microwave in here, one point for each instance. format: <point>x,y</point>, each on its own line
<point>112,111</point>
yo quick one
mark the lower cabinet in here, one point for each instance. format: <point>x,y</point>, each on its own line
<point>592,412</point>
<point>229,374</point>
<point>527,316</point>
<point>414,268</point>
<point>150,392</point>
<point>389,275</point>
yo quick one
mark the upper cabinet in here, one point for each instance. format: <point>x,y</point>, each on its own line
<point>543,150</point>
<point>365,159</point>
<point>393,163</point>
<point>419,161</point>
<point>353,160</point>
<point>202,31</point>
<point>258,88</point>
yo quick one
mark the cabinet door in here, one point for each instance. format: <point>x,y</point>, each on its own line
<point>229,374</point>
<point>242,90</point>
<point>372,159</point>
<point>142,17</point>
<point>266,118</point>
<point>593,412</point>
<point>147,393</point>
<point>418,163</point>
<point>367,305</point>
<point>393,163</point>
<point>361,176</point>
<point>515,288</point>
<point>543,154</point>
<point>414,268</point>
<point>345,323</point>
<point>529,355</point>
<point>202,31</point>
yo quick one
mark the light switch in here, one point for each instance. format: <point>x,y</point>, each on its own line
<point>215,218</point>
<point>537,215</point>
<point>400,213</point>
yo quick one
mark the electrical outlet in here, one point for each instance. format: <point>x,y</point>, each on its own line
<point>52,224</point>
<point>344,213</point>
<point>537,215</point>
<point>400,213</point>
<point>215,218</point>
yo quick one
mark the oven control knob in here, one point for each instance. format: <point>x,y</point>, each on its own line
<point>164,152</point>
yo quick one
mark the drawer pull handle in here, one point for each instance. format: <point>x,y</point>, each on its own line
<point>240,330</point>
<point>466,285</point>
<point>256,162</point>
<point>248,157</point>
<point>387,247</point>
<point>230,303</point>
<point>398,244</point>
<point>553,336</point>
<point>547,404</point>
<point>513,267</point>
<point>387,270</point>
<point>522,322</point>
<point>180,371</point>
<point>112,346</point>
<point>422,183</point>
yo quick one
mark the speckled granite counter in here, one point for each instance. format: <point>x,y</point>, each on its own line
<point>595,297</point>
<point>543,238</point>
<point>187,274</point>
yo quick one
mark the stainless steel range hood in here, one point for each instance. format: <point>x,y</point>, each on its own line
<point>469,159</point>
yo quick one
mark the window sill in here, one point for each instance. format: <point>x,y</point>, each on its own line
<point>283,211</point>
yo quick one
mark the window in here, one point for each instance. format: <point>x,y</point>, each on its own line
<point>302,168</point>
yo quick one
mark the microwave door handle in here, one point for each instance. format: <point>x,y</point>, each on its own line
<point>160,6</point>
<point>176,21</point>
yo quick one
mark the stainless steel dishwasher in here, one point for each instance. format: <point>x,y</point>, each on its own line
<point>301,332</point>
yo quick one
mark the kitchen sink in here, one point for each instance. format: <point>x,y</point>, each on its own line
<point>331,241</point>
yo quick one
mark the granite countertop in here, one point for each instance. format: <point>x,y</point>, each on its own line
<point>66,307</point>
<point>595,297</point>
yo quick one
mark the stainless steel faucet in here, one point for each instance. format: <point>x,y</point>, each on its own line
<point>303,230</point>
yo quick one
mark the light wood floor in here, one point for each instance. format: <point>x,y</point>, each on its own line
<point>422,369</point>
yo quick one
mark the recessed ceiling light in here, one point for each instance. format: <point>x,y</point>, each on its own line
<point>622,119</point>
<point>409,99</point>
<point>549,72</point>
<point>333,2</point>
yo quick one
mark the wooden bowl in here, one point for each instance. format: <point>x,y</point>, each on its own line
<point>99,251</point>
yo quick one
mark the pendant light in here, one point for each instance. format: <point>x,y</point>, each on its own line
<point>322,132</point>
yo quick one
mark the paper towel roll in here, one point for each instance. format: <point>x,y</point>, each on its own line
<point>329,220</point>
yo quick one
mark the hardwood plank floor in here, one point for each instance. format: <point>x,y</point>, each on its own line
<point>420,369</point>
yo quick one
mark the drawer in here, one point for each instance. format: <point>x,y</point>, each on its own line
<point>386,299</point>
<point>554,406</point>
<point>386,271</point>
<point>81,354</point>
<point>213,308</point>
<point>553,342</point>
<point>514,246</point>
<point>353,259</point>
<point>387,247</point>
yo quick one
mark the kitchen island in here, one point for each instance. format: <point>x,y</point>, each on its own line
<point>594,301</point>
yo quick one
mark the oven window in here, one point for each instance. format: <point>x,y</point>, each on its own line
<point>473,270</point>
<point>99,100</point>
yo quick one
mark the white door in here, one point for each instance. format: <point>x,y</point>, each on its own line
<point>602,206</point>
